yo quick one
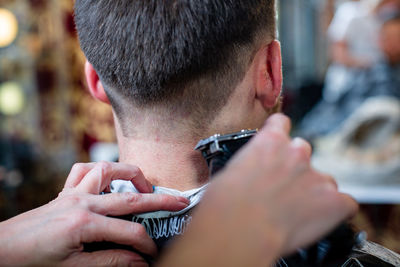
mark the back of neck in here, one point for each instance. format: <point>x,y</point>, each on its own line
<point>166,163</point>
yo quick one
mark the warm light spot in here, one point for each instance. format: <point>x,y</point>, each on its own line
<point>8,27</point>
<point>11,98</point>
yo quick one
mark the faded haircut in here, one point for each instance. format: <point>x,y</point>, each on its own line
<point>183,55</point>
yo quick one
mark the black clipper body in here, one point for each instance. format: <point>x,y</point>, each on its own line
<point>218,149</point>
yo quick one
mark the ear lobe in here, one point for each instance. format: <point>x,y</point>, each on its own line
<point>269,84</point>
<point>95,86</point>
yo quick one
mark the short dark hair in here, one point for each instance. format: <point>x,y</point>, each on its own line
<point>155,52</point>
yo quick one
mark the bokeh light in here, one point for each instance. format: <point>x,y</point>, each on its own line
<point>8,27</point>
<point>11,98</point>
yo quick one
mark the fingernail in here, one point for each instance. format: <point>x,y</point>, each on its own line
<point>183,200</point>
<point>298,142</point>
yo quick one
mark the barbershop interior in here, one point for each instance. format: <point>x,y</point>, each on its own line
<point>341,68</point>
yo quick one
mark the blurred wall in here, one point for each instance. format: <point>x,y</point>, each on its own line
<point>47,120</point>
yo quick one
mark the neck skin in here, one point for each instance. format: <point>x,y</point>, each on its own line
<point>169,160</point>
<point>165,162</point>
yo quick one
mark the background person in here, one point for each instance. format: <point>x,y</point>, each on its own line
<point>380,79</point>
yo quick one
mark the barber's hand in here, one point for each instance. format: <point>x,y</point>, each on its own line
<point>54,234</point>
<point>265,204</point>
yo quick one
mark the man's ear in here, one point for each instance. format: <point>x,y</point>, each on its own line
<point>96,88</point>
<point>269,74</point>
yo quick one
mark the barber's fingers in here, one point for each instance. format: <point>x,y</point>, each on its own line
<point>322,216</point>
<point>351,204</point>
<point>301,146</point>
<point>100,228</point>
<point>343,204</point>
<point>99,177</point>
<point>128,203</point>
<point>107,258</point>
<point>329,180</point>
<point>278,122</point>
<point>78,171</point>
<point>83,173</point>
<point>275,132</point>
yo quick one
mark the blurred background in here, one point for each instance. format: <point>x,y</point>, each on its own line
<point>341,88</point>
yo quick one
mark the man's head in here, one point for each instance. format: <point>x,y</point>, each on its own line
<point>181,60</point>
<point>390,39</point>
